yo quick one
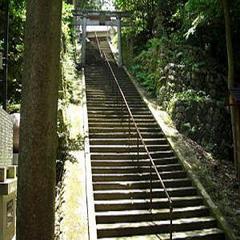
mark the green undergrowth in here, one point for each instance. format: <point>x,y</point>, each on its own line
<point>69,92</point>
<point>191,87</point>
<point>66,140</point>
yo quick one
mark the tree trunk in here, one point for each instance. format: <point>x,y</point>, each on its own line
<point>36,172</point>
<point>235,116</point>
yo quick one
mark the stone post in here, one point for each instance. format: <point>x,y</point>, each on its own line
<point>84,36</point>
<point>119,30</point>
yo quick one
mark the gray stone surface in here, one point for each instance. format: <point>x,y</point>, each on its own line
<point>16,127</point>
<point>6,138</point>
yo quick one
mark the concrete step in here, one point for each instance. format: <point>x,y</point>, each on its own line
<point>117,110</point>
<point>102,105</point>
<point>137,177</point>
<point>108,92</point>
<point>112,96</point>
<point>122,129</point>
<point>116,107</point>
<point>150,215</point>
<point>203,234</point>
<point>132,141</point>
<point>138,204</point>
<point>128,148</point>
<point>127,163</point>
<point>117,120</point>
<point>121,118</point>
<point>143,193</point>
<point>135,169</point>
<point>179,225</point>
<point>131,156</point>
<point>106,101</point>
<point>169,183</point>
<point>124,135</point>
<point>124,124</point>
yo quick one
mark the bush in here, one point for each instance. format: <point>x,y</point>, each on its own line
<point>204,120</point>
<point>189,85</point>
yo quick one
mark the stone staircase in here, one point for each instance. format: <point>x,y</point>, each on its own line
<point>121,176</point>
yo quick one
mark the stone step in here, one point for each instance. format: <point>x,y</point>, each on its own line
<point>143,162</point>
<point>138,204</point>
<point>169,183</point>
<point>128,148</point>
<point>203,234</point>
<point>94,91</point>
<point>123,112</point>
<point>179,225</point>
<point>125,130</point>
<point>150,215</point>
<point>143,193</point>
<point>117,120</point>
<point>115,107</point>
<point>132,141</point>
<point>112,102</point>
<point>103,105</point>
<point>113,97</point>
<point>131,156</point>
<point>137,177</point>
<point>120,117</point>
<point>135,169</point>
<point>124,124</point>
<point>124,135</point>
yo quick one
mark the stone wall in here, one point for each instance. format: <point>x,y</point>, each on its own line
<point>6,138</point>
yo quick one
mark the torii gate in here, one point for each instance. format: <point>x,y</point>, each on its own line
<point>86,18</point>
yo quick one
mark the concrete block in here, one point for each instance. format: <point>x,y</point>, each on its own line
<point>6,138</point>
<point>11,172</point>
<point>3,174</point>
<point>15,158</point>
<point>7,216</point>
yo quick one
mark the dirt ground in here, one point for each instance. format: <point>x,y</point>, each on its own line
<point>219,179</point>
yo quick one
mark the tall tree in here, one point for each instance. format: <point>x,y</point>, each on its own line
<point>235,113</point>
<point>36,176</point>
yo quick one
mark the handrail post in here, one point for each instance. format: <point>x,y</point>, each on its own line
<point>150,185</point>
<point>171,220</point>
<point>122,109</point>
<point>129,133</point>
<point>120,60</point>
<point>138,149</point>
<point>84,36</point>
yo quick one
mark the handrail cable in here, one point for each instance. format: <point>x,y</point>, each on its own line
<point>139,135</point>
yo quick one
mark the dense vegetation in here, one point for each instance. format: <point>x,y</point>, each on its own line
<point>16,38</point>
<point>179,55</point>
<point>16,33</point>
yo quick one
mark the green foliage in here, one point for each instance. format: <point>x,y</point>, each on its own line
<point>67,30</point>
<point>16,47</point>
<point>191,96</point>
<point>89,4</point>
<point>16,32</point>
<point>187,83</point>
<point>182,63</point>
<point>146,64</point>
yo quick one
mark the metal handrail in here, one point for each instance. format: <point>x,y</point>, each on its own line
<point>140,136</point>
